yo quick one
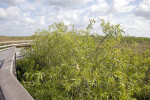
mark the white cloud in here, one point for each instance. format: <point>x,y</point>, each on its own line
<point>15,28</point>
<point>83,22</point>
<point>123,5</point>
<point>134,26</point>
<point>40,20</point>
<point>11,1</point>
<point>69,15</point>
<point>145,5</point>
<point>30,6</point>
<point>119,6</point>
<point>25,18</point>
<point>68,3</point>
<point>143,9</point>
<point>100,8</point>
<point>9,13</point>
<point>40,3</point>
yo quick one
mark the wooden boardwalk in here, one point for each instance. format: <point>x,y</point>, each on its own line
<point>10,88</point>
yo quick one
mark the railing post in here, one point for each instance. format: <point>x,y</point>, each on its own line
<point>4,45</point>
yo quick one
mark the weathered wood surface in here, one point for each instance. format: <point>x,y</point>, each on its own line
<point>10,87</point>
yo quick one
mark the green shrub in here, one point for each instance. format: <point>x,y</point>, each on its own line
<point>68,64</point>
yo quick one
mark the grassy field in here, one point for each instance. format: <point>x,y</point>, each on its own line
<point>15,38</point>
<point>137,39</point>
<point>142,43</point>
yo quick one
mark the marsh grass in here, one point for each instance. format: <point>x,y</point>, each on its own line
<point>15,38</point>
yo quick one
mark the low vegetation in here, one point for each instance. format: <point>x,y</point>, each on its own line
<point>142,44</point>
<point>68,64</point>
<point>15,38</point>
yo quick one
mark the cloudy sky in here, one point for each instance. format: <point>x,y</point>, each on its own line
<point>23,17</point>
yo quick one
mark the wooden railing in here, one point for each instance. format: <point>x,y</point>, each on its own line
<point>10,87</point>
<point>7,44</point>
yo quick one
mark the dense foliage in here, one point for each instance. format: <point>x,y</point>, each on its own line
<point>68,64</point>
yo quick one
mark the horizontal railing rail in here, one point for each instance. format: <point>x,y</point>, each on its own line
<point>6,44</point>
<point>10,87</point>
<point>21,41</point>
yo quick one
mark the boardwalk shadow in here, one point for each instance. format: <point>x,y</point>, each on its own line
<point>1,95</point>
<point>1,63</point>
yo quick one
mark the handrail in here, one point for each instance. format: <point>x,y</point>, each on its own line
<point>14,45</point>
<point>10,87</point>
<point>26,41</point>
<point>6,44</point>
